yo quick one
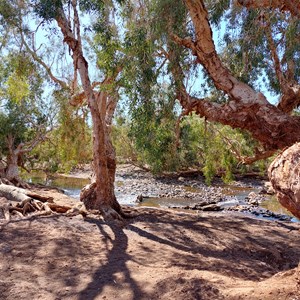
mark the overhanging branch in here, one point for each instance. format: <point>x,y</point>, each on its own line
<point>283,5</point>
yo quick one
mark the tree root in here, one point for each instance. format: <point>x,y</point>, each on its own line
<point>112,216</point>
<point>21,202</point>
<point>15,182</point>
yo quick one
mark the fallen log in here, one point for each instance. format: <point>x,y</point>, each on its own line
<point>22,202</point>
<point>14,193</point>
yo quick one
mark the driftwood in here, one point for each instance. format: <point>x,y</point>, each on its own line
<point>21,202</point>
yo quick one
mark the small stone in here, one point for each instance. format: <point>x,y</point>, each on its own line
<point>253,202</point>
<point>139,198</point>
<point>6,249</point>
<point>212,207</point>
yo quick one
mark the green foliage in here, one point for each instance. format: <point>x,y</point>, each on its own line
<point>203,146</point>
<point>153,132</point>
<point>22,122</point>
<point>122,142</point>
<point>209,147</point>
<point>48,10</point>
<point>23,113</point>
<point>247,53</point>
<point>17,87</point>
<point>12,124</point>
<point>71,139</point>
<point>137,36</point>
<point>217,9</point>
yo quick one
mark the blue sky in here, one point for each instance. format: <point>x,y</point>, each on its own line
<point>218,34</point>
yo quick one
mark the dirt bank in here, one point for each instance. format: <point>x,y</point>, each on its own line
<point>157,255</point>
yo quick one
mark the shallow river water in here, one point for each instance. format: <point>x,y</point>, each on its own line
<point>233,194</point>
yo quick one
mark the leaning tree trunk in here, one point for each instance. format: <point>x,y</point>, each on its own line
<point>247,109</point>
<point>275,127</point>
<point>284,174</point>
<point>12,170</point>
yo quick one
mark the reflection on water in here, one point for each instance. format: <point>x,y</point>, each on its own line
<point>273,204</point>
<point>70,185</point>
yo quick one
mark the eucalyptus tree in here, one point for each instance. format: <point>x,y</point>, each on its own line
<point>274,126</point>
<point>24,118</point>
<point>180,40</point>
<point>270,51</point>
<point>165,43</point>
<point>100,96</point>
<point>62,21</point>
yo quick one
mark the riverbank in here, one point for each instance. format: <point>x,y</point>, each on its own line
<point>159,254</point>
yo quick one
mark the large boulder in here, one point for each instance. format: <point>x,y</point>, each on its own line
<point>284,174</point>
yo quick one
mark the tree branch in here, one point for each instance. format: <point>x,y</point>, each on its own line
<point>42,63</point>
<point>275,57</point>
<point>283,5</point>
<point>259,155</point>
<point>204,49</point>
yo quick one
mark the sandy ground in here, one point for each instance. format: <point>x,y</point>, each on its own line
<point>159,254</point>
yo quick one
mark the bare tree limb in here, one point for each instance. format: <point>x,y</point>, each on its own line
<point>275,57</point>
<point>259,155</point>
<point>246,108</point>
<point>290,98</point>
<point>42,63</point>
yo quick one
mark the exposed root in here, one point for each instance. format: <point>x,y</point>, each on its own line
<point>5,181</point>
<point>15,182</point>
<point>18,202</point>
<point>129,212</point>
<point>111,215</point>
<point>111,212</point>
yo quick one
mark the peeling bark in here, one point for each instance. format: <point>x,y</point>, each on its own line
<point>246,109</point>
<point>284,174</point>
<point>267,124</point>
<point>103,163</point>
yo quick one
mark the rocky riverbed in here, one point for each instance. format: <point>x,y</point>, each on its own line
<point>135,186</point>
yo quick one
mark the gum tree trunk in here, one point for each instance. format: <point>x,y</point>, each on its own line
<point>247,109</point>
<point>284,174</point>
<point>103,196</point>
<point>10,173</point>
<point>274,126</point>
